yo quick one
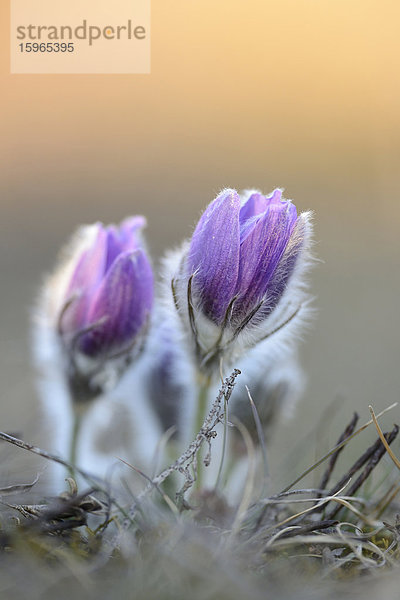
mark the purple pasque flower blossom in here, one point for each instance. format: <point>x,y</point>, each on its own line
<point>107,302</point>
<point>237,252</point>
<point>240,262</point>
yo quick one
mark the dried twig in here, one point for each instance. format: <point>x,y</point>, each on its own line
<point>336,448</point>
<point>249,484</point>
<point>261,439</point>
<point>332,462</point>
<point>66,512</point>
<point>309,528</point>
<point>47,455</point>
<point>188,458</point>
<point>374,460</point>
<point>19,487</point>
<point>384,442</point>
<point>306,511</point>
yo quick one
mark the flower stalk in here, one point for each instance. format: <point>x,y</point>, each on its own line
<point>76,427</point>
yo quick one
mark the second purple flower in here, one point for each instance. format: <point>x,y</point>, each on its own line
<point>108,300</point>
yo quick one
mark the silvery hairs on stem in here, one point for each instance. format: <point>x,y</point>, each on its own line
<point>242,277</point>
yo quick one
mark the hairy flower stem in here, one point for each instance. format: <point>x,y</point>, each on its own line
<point>201,410</point>
<point>74,440</point>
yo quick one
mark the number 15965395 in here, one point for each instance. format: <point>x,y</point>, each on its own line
<point>47,47</point>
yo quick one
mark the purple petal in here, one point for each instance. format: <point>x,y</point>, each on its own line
<point>214,254</point>
<point>114,246</point>
<point>129,232</point>
<point>85,280</point>
<point>124,238</point>
<point>260,253</point>
<point>257,204</point>
<point>278,282</point>
<point>120,307</point>
<point>90,268</point>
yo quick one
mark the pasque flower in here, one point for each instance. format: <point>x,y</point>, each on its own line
<point>106,303</point>
<point>244,256</point>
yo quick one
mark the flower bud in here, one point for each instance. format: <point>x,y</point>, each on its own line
<point>242,271</point>
<point>100,302</point>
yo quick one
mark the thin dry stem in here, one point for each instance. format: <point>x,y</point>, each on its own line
<point>384,442</point>
<point>336,448</point>
<point>249,485</point>
<point>188,458</point>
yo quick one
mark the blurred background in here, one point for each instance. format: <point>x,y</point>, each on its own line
<point>301,94</point>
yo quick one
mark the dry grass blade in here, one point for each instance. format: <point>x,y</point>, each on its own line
<point>338,539</point>
<point>332,462</point>
<point>357,546</point>
<point>326,524</point>
<point>48,456</point>
<point>161,447</point>
<point>261,439</point>
<point>374,460</point>
<point>249,485</point>
<point>358,464</point>
<point>295,530</point>
<point>386,500</point>
<point>164,496</point>
<point>19,487</point>
<point>307,510</point>
<point>342,502</point>
<point>384,442</point>
<point>336,448</point>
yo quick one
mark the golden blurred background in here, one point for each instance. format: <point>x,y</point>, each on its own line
<point>301,94</point>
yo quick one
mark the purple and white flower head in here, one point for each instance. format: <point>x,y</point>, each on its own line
<point>98,303</point>
<point>241,277</point>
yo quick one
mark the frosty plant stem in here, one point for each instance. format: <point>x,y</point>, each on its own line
<point>204,382</point>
